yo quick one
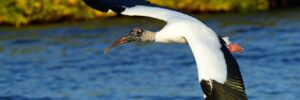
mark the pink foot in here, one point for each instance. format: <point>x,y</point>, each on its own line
<point>235,48</point>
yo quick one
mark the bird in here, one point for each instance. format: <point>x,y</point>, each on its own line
<point>218,71</point>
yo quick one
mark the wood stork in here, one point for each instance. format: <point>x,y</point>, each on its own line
<point>218,72</point>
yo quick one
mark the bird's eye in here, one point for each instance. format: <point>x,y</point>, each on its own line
<point>137,32</point>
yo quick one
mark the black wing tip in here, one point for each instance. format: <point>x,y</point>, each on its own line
<point>217,91</point>
<point>105,5</point>
<point>96,5</point>
<point>117,6</point>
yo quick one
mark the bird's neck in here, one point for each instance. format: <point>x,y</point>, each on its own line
<point>161,37</point>
<point>148,36</point>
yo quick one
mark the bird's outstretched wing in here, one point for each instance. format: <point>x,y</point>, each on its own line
<point>213,84</point>
<point>115,5</point>
<point>233,87</point>
<point>221,80</point>
<point>137,8</point>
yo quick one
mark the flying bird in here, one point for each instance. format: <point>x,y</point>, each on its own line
<point>218,71</point>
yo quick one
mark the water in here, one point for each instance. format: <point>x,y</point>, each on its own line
<point>66,61</point>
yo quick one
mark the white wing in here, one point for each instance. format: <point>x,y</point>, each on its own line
<point>203,41</point>
<point>157,12</point>
<point>209,58</point>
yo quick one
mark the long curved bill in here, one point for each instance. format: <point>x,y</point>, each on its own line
<point>123,40</point>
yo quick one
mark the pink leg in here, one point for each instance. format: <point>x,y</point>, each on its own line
<point>235,48</point>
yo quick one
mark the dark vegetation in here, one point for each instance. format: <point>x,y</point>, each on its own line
<point>22,12</point>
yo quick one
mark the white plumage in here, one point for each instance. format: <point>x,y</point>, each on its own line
<point>218,71</point>
<point>182,28</point>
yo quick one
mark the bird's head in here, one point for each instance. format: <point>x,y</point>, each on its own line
<point>135,35</point>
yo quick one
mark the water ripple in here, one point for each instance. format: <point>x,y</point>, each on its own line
<point>67,62</point>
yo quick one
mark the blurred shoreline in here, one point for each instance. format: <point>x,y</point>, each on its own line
<point>25,12</point>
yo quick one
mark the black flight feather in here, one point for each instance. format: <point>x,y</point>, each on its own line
<point>115,5</point>
<point>233,88</point>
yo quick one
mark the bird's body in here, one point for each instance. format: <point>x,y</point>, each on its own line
<point>204,42</point>
<point>218,72</point>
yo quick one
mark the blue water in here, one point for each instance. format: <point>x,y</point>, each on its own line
<point>66,61</point>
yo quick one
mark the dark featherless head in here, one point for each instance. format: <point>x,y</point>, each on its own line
<point>135,35</point>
